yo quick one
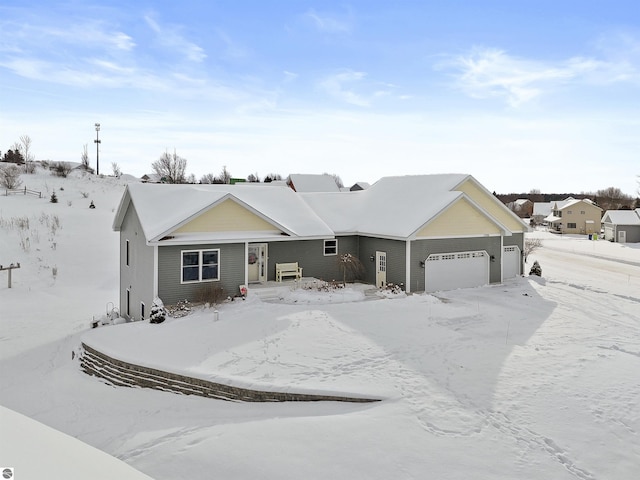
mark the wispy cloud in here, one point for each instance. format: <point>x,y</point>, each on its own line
<point>328,23</point>
<point>487,73</point>
<point>169,37</point>
<point>338,87</point>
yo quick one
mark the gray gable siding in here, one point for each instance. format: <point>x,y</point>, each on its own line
<point>421,249</point>
<point>396,254</point>
<point>138,276</point>
<point>170,290</point>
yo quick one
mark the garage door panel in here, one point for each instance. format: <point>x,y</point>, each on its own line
<point>510,262</point>
<point>448,271</point>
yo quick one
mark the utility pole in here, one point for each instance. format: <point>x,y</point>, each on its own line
<point>97,142</point>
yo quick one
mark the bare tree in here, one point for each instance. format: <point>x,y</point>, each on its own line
<point>208,178</point>
<point>115,168</point>
<point>612,198</point>
<point>351,266</point>
<point>225,175</point>
<point>253,178</point>
<point>25,149</point>
<point>84,158</point>
<point>171,168</point>
<point>530,246</point>
<point>272,177</point>
<point>10,177</point>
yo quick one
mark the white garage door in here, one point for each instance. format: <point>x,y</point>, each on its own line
<point>510,262</point>
<point>448,271</point>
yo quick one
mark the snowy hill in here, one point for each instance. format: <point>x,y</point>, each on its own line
<point>536,378</point>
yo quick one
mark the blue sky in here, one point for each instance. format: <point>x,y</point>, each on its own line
<point>521,94</point>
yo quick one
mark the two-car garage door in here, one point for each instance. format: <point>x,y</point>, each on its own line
<point>448,271</point>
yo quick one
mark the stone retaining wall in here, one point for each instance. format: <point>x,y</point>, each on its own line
<point>120,373</point>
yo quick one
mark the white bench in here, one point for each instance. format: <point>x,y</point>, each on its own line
<point>288,270</point>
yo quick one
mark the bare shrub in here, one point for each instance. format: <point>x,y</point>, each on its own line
<point>10,177</point>
<point>351,267</point>
<point>62,169</point>
<point>530,246</point>
<point>210,293</point>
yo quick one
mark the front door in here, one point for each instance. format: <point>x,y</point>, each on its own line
<point>381,269</point>
<point>257,262</point>
<point>622,236</point>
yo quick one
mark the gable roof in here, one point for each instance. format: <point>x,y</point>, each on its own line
<point>312,183</point>
<point>622,217</point>
<point>393,207</point>
<point>573,202</point>
<point>389,208</point>
<point>164,208</point>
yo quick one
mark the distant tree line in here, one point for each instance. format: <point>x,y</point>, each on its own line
<point>172,168</point>
<point>610,198</point>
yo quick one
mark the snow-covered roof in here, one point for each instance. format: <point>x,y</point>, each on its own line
<point>162,208</point>
<point>392,207</point>
<point>622,217</point>
<point>573,201</point>
<point>313,183</point>
<point>542,208</point>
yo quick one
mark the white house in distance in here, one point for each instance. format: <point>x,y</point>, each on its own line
<point>572,216</point>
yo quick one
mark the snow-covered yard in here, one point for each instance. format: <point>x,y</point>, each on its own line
<point>537,378</point>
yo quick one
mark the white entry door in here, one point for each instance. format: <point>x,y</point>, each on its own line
<point>622,236</point>
<point>510,262</point>
<point>257,262</point>
<point>381,269</point>
<point>448,271</point>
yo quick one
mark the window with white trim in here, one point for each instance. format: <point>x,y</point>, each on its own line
<point>127,252</point>
<point>331,247</point>
<point>200,266</point>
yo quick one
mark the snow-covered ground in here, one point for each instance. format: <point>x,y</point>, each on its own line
<point>538,378</point>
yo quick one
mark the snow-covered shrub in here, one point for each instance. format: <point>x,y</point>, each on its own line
<point>54,198</point>
<point>158,312</point>
<point>536,269</point>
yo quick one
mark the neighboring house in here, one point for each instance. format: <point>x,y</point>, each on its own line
<point>152,178</point>
<point>540,211</point>
<point>359,186</point>
<point>573,216</point>
<point>426,233</point>
<point>622,226</point>
<point>312,183</point>
<point>523,207</point>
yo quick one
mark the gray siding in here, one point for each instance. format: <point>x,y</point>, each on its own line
<point>396,254</point>
<point>170,290</point>
<point>515,239</point>
<point>421,249</point>
<point>632,232</point>
<point>138,276</point>
<point>310,256</point>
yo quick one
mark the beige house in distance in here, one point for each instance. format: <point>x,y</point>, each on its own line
<point>580,217</point>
